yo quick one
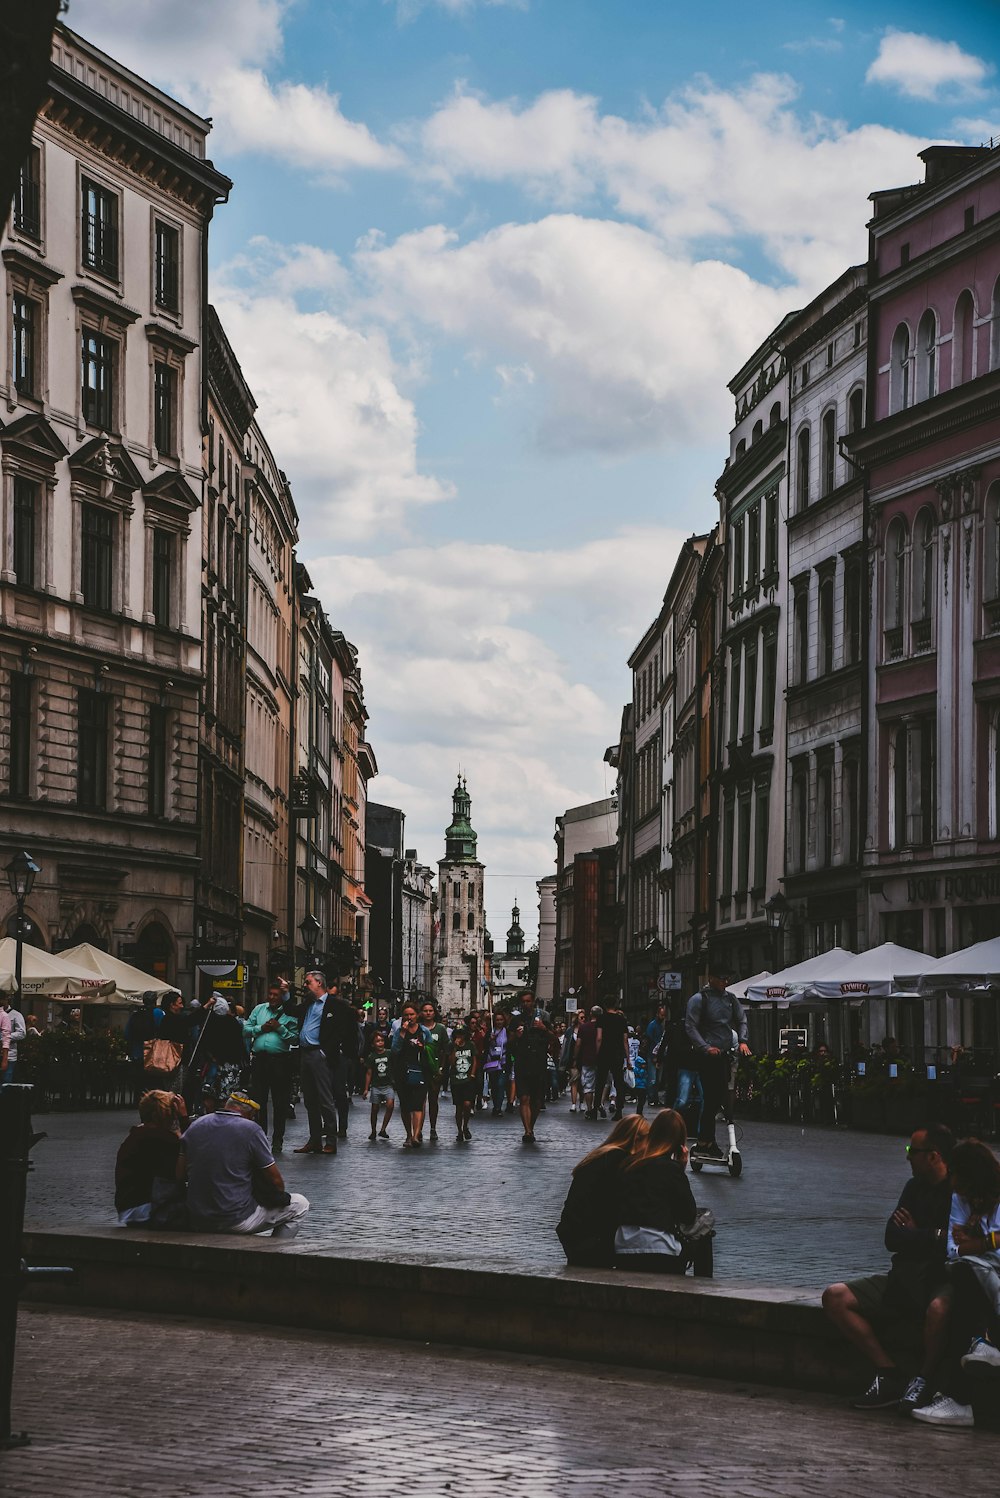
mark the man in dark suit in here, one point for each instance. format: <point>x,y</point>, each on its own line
<point>327,1031</point>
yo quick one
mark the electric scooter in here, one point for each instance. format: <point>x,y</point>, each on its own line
<point>730,1158</point>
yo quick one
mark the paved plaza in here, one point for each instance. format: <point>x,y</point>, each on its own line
<point>810,1207</point>
<point>138,1407</point>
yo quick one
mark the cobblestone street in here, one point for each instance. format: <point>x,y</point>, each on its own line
<point>334,1415</point>
<point>811,1205</point>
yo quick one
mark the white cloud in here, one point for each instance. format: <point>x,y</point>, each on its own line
<point>711,165</point>
<point>186,41</point>
<point>213,53</point>
<point>406,10</point>
<point>329,397</point>
<point>924,67</point>
<point>629,345</point>
<point>294,122</point>
<point>457,672</point>
<point>977,132</point>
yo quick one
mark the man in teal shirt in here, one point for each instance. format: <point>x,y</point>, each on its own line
<point>270,1031</point>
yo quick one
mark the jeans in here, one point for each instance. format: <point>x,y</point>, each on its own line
<point>498,1088</point>
<point>690,1091</point>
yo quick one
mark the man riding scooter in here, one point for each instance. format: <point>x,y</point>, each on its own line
<point>713,1019</point>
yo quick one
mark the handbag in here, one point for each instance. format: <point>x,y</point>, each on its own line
<point>628,1077</point>
<point>161,1055</point>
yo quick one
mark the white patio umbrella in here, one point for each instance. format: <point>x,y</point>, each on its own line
<point>48,976</point>
<point>869,975</point>
<point>740,989</point>
<point>977,966</point>
<point>131,982</point>
<point>786,986</point>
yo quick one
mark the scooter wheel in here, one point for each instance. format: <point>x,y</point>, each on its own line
<point>696,1165</point>
<point>736,1164</point>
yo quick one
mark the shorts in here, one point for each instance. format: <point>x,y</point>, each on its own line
<point>531,1088</point>
<point>464,1092</point>
<point>380,1095</point>
<point>878,1303</point>
<point>413,1096</point>
<point>588,1078</point>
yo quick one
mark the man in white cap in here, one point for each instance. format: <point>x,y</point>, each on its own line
<point>230,1172</point>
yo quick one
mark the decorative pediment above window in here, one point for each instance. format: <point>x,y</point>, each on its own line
<point>170,501</point>
<point>34,441</point>
<point>104,309</point>
<point>104,469</point>
<point>28,269</point>
<point>169,340</point>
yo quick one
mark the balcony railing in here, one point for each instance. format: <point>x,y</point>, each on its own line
<point>894,643</point>
<point>920,633</point>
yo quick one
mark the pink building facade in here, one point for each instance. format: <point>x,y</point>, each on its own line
<point>930,453</point>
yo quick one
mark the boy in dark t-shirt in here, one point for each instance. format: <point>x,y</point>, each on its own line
<point>378,1082</point>
<point>463,1068</point>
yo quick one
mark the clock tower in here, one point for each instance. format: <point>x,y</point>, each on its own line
<point>458,969</point>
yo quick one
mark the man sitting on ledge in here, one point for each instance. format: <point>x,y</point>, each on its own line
<point>234,1185</point>
<point>917,1237</point>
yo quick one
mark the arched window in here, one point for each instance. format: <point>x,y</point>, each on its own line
<point>963,340</point>
<point>741,447</point>
<point>991,546</point>
<point>802,469</point>
<point>829,451</point>
<point>899,370</point>
<point>758,431</point>
<point>856,409</point>
<point>895,586</point>
<point>775,415</point>
<point>927,356</point>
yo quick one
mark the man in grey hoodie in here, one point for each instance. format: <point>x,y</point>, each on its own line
<point>712,1016</point>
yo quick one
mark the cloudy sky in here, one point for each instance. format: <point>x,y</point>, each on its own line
<point>488,265</point>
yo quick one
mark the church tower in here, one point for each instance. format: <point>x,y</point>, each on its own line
<point>458,970</point>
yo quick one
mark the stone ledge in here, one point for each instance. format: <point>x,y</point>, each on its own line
<point>701,1327</point>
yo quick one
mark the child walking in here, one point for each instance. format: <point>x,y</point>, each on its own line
<point>378,1082</point>
<point>463,1069</point>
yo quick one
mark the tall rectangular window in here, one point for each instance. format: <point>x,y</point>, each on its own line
<point>156,779</point>
<point>769,681</point>
<point>829,451</point>
<point>21,703</point>
<point>28,195</point>
<point>851,776</point>
<point>771,533</point>
<point>163,577</point>
<point>24,350</point>
<point>762,817</point>
<point>26,504</point>
<point>98,376</point>
<point>743,846</point>
<point>92,750</point>
<point>753,545</point>
<point>826,603</point>
<point>824,815</point>
<point>852,613</point>
<point>99,228</point>
<point>738,564</point>
<point>750,693</point>
<point>97,556</point>
<point>735,663</point>
<point>167,267</point>
<point>728,832</point>
<point>164,394</point>
<point>801,623</point>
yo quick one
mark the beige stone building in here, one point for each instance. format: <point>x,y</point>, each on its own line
<point>102,489</point>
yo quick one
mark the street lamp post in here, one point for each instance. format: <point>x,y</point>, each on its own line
<point>776,909</point>
<point>20,873</point>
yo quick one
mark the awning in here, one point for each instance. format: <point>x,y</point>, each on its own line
<point>131,982</point>
<point>869,975</point>
<point>798,979</point>
<point>51,976</point>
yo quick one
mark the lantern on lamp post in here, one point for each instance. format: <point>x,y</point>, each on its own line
<point>21,872</point>
<point>777,910</point>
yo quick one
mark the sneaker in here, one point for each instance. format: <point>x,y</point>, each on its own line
<point>981,1356</point>
<point>468,1133</point>
<point>915,1396</point>
<point>713,1150</point>
<point>885,1390</point>
<point>572,1107</point>
<point>434,1135</point>
<point>602,1112</point>
<point>947,1412</point>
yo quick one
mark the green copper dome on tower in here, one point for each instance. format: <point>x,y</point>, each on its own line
<point>460,839</point>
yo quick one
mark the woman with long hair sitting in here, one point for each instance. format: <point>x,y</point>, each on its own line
<point>590,1214</point>
<point>655,1200</point>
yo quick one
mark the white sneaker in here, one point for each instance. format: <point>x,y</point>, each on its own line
<point>981,1356</point>
<point>572,1107</point>
<point>946,1412</point>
